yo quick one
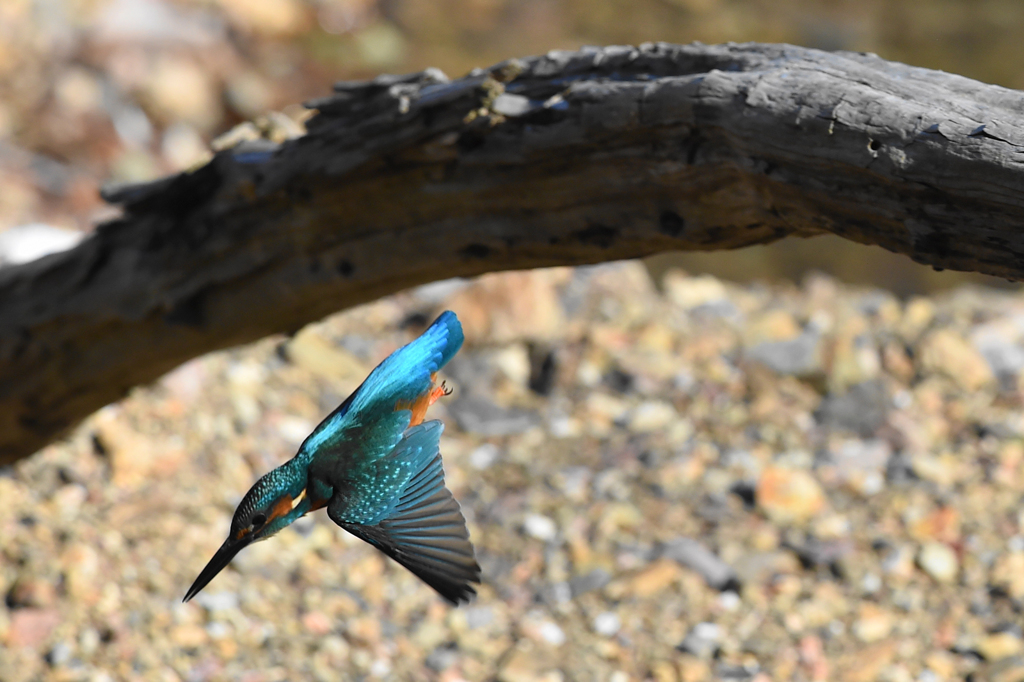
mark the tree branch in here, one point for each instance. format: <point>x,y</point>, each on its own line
<point>573,157</point>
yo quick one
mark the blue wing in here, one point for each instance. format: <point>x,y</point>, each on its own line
<point>408,513</point>
<point>375,498</point>
<point>369,418</point>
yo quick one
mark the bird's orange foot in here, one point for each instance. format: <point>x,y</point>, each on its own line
<point>438,392</point>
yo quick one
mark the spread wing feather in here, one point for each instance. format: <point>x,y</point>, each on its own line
<point>421,526</point>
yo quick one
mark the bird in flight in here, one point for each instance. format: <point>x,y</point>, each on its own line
<point>376,466</point>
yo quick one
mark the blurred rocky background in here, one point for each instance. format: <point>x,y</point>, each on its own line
<point>711,481</point>
<point>93,91</point>
<point>670,479</point>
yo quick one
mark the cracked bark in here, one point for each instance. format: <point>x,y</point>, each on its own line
<point>572,157</point>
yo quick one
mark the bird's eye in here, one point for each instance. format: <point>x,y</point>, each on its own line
<point>258,521</point>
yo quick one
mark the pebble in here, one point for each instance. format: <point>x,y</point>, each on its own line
<point>702,641</point>
<point>514,306</point>
<point>789,495</point>
<point>31,627</point>
<point>551,633</point>
<point>695,556</point>
<point>862,409</point>
<point>607,624</point>
<point>484,456</point>
<point>873,624</point>
<point>945,352</point>
<point>654,579</point>
<point>798,357</point>
<point>939,561</point>
<point>217,601</point>
<point>25,243</point>
<point>476,414</point>
<point>651,416</point>
<point>317,623</point>
<point>999,645</point>
<point>188,636</point>
<point>690,292</point>
<point>540,527</point>
<point>60,654</point>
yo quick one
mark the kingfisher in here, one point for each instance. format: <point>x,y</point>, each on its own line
<point>376,466</point>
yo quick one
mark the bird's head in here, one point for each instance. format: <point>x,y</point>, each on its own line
<point>274,502</point>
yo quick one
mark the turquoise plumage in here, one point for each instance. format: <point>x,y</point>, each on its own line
<point>376,466</point>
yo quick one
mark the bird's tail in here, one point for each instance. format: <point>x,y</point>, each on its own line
<point>448,328</point>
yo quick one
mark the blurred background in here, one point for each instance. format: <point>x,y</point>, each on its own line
<point>93,91</point>
<point>804,480</point>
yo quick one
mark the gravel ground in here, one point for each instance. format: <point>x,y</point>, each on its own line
<point>709,481</point>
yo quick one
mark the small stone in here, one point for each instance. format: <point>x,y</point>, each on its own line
<point>189,636</point>
<point>590,581</point>
<point>702,640</point>
<point>479,616</point>
<point>729,601</point>
<point>541,629</point>
<point>861,464</point>
<point>217,601</point>
<point>540,527</point>
<point>442,658</point>
<point>179,89</point>
<point>939,561</point>
<point>82,565</point>
<point>32,593</point>
<point>59,655</point>
<point>183,147</point>
<point>757,568</point>
<point>512,306</point>
<point>513,361</point>
<point>999,645</point>
<point>697,557</point>
<point>31,627</point>
<point>551,633</point>
<point>773,325</point>
<point>690,292</point>
<point>1008,573</point>
<point>918,315</point>
<point>898,562</point>
<point>134,458</point>
<point>249,94</point>
<point>310,350</point>
<point>654,579</point>
<point>943,469</point>
<point>862,409</point>
<point>316,623</point>
<point>797,357</point>
<point>484,456</point>
<point>942,524</point>
<point>1005,356</point>
<point>664,671</point>
<point>26,243</point>
<point>651,416</point>
<point>696,670</point>
<point>267,17</point>
<point>79,91</point>
<point>873,623</point>
<point>607,623</point>
<point>945,352</point>
<point>942,663</point>
<point>789,495</point>
<point>89,641</point>
<point>476,414</point>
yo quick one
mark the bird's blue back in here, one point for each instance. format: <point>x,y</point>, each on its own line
<point>368,419</point>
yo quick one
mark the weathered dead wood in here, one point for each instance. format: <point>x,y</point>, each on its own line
<point>573,157</point>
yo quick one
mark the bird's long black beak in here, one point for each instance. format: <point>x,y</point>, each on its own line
<point>221,559</point>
